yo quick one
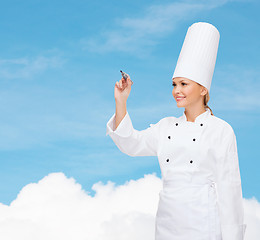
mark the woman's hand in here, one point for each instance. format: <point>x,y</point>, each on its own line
<point>122,89</point>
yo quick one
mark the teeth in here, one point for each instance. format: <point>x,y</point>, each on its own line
<point>179,98</point>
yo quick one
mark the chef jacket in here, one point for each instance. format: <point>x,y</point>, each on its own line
<point>205,148</point>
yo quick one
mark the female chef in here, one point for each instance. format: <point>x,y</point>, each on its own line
<point>201,197</point>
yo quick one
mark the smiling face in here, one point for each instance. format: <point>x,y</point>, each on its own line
<point>188,93</point>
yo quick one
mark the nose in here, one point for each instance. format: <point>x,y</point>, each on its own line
<point>176,89</point>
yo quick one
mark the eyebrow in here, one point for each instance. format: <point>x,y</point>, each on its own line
<point>180,80</point>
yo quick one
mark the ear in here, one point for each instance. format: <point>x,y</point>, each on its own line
<point>204,91</point>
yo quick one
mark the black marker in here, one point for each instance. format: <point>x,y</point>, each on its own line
<point>125,76</point>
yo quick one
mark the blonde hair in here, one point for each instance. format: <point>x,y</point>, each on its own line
<point>205,101</point>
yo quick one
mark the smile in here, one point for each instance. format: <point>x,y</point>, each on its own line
<point>179,98</point>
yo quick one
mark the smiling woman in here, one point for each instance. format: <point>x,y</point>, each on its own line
<point>201,197</point>
<point>190,95</point>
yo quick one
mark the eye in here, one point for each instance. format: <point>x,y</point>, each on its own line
<point>183,84</point>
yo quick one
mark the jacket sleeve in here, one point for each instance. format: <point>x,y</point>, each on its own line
<point>131,141</point>
<point>229,190</point>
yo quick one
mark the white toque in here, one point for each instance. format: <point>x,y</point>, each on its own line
<point>198,54</point>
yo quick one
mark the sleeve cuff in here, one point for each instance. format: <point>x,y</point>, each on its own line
<point>233,232</point>
<point>124,129</point>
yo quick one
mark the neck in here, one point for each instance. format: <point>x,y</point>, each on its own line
<point>191,114</point>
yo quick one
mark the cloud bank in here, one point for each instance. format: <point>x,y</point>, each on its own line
<point>58,208</point>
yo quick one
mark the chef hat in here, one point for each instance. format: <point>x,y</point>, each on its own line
<point>198,54</point>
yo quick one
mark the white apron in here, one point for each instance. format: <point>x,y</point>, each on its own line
<point>187,210</point>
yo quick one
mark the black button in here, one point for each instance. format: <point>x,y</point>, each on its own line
<point>191,161</point>
<point>167,160</point>
<point>176,124</point>
<point>201,124</point>
<point>169,137</point>
<point>194,139</point>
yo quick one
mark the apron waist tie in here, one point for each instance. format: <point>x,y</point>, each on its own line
<point>185,181</point>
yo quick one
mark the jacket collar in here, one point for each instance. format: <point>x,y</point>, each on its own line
<point>200,118</point>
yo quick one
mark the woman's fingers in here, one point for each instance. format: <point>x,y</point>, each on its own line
<point>119,85</point>
<point>129,81</point>
<point>123,83</point>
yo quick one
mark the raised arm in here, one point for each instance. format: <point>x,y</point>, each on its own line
<point>121,93</point>
<point>129,140</point>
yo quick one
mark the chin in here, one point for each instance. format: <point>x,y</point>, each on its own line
<point>181,105</point>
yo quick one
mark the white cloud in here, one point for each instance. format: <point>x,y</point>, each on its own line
<point>252,218</point>
<point>133,34</point>
<point>27,67</point>
<point>58,208</point>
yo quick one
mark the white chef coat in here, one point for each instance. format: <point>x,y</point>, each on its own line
<point>201,197</point>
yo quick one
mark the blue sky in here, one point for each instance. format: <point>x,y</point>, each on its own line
<point>58,66</point>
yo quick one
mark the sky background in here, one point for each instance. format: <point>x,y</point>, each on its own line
<point>59,61</point>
